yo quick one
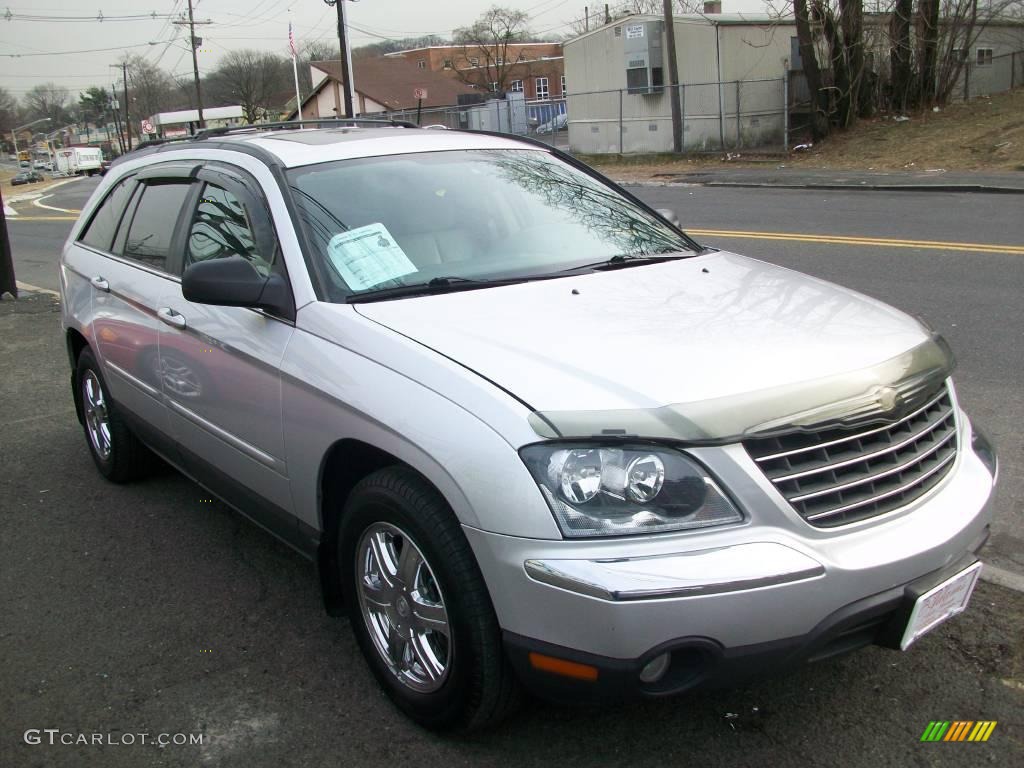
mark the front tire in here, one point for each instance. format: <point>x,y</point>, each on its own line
<point>419,606</point>
<point>119,455</point>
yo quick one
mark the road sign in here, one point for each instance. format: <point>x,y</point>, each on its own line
<point>419,93</point>
<point>147,127</point>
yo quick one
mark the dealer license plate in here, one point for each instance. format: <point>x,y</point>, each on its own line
<point>940,603</point>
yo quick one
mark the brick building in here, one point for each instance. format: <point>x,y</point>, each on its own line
<point>535,69</point>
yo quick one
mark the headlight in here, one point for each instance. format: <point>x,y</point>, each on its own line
<point>608,490</point>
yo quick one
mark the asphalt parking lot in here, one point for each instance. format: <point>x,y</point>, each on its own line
<point>152,609</point>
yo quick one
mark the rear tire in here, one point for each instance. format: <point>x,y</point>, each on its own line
<point>119,455</point>
<point>427,630</point>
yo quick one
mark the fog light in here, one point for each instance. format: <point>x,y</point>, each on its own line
<point>655,669</point>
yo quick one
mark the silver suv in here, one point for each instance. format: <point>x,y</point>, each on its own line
<point>530,432</point>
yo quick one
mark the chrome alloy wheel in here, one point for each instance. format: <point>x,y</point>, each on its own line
<point>97,419</point>
<point>403,608</point>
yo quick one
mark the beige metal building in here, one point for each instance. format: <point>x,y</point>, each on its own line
<point>732,68</point>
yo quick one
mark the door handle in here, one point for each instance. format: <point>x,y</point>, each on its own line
<point>169,316</point>
<point>100,284</point>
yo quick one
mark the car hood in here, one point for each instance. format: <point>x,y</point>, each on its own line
<point>716,328</point>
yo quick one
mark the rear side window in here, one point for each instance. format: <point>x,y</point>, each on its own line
<point>152,228</point>
<point>100,232</point>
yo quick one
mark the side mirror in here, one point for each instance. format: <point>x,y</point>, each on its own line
<point>234,282</point>
<point>670,216</point>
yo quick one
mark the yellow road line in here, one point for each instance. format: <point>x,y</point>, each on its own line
<point>883,242</point>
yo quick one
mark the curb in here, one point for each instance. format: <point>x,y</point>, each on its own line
<point>948,188</point>
<point>29,288</point>
<point>956,188</point>
<point>1002,577</point>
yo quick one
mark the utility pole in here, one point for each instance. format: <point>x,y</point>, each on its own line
<point>126,138</point>
<point>346,59</point>
<point>673,79</point>
<point>115,112</point>
<point>195,42</point>
<point>127,119</point>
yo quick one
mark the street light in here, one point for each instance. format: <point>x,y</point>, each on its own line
<point>15,132</point>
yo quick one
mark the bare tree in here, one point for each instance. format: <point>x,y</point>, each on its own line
<point>488,42</point>
<point>583,22</point>
<point>255,80</point>
<point>47,100</point>
<point>8,112</point>
<point>808,55</point>
<point>150,89</point>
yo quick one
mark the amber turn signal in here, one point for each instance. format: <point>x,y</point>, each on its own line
<point>563,667</point>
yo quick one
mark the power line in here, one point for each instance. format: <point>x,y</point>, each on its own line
<point>70,53</point>
<point>154,16</point>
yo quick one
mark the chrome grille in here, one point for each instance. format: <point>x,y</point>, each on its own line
<point>839,476</point>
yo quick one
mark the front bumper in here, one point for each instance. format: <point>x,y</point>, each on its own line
<point>700,662</point>
<point>767,592</point>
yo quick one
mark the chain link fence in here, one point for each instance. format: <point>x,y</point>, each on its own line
<point>544,120</point>
<point>989,74</point>
<point>739,114</point>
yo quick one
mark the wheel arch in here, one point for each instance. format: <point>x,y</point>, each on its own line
<point>345,463</point>
<point>76,342</point>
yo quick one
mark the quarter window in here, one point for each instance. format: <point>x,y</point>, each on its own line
<point>220,228</point>
<point>152,228</point>
<point>100,232</point>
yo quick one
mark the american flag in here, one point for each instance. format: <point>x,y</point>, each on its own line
<point>291,41</point>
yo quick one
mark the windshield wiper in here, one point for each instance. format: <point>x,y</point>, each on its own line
<point>436,285</point>
<point>629,260</point>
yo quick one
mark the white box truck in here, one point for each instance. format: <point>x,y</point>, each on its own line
<point>75,161</point>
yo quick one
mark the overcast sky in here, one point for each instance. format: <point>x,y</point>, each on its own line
<point>236,24</point>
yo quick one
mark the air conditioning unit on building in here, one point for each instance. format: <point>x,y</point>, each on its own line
<point>641,42</point>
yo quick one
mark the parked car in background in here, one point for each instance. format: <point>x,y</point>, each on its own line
<point>530,432</point>
<point>555,124</point>
<point>26,177</point>
<point>104,167</point>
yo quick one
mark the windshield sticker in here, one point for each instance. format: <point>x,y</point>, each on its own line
<point>368,256</point>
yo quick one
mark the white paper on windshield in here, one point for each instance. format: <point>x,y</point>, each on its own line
<point>368,256</point>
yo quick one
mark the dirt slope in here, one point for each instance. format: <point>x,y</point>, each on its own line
<point>986,134</point>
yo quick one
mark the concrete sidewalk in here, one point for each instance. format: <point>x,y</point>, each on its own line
<point>784,176</point>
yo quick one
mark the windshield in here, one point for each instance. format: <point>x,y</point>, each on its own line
<point>477,215</point>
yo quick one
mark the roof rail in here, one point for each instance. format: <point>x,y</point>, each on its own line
<point>295,124</point>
